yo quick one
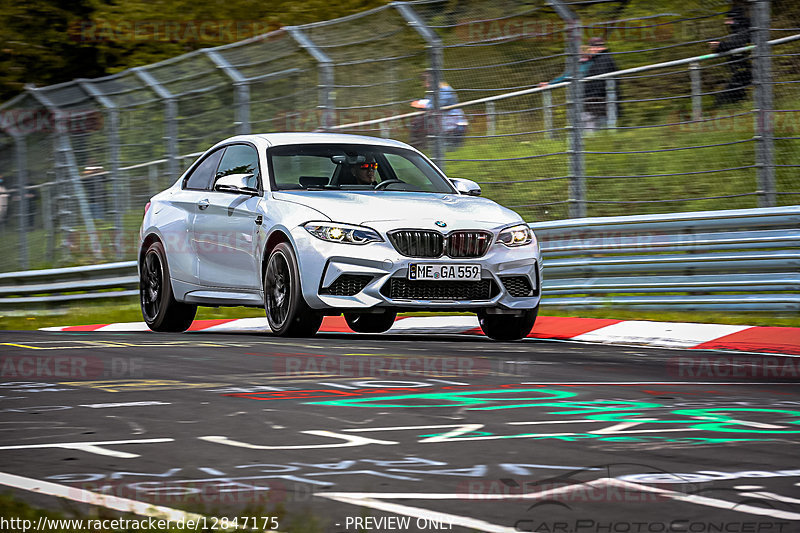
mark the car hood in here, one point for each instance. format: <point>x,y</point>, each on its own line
<point>410,209</point>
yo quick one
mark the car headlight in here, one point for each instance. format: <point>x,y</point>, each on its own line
<point>518,235</point>
<point>344,233</point>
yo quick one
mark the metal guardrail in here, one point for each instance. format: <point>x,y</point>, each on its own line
<point>73,284</point>
<point>747,259</point>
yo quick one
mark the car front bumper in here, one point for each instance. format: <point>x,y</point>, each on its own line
<point>322,263</point>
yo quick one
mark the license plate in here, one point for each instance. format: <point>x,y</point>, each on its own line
<point>443,272</point>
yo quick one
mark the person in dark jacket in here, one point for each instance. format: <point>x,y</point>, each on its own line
<point>739,64</point>
<point>595,59</point>
<point>595,108</point>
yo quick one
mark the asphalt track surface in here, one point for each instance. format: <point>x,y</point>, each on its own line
<point>448,432</point>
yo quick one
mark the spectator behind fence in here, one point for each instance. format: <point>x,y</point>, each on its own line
<point>454,122</point>
<point>3,202</point>
<point>595,106</point>
<point>595,60</point>
<point>583,66</point>
<point>739,64</point>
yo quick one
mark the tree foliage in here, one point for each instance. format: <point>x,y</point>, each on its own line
<point>51,41</point>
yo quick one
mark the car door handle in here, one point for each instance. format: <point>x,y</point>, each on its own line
<point>203,204</point>
<point>259,220</point>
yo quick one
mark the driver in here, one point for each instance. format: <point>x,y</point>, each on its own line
<point>364,173</point>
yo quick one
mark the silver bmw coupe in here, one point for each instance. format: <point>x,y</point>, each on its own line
<point>315,224</point>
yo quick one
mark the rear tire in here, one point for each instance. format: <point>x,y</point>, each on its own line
<point>160,310</point>
<point>288,314</point>
<point>508,327</point>
<point>370,322</point>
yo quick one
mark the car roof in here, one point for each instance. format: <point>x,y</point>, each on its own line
<point>278,139</point>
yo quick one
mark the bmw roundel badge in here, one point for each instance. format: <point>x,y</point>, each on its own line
<point>440,223</point>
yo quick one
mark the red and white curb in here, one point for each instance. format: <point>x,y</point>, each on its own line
<point>607,331</point>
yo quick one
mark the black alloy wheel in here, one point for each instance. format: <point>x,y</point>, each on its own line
<point>160,310</point>
<point>288,314</point>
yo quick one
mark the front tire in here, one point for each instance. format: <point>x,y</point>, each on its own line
<point>508,327</point>
<point>288,314</point>
<point>370,322</point>
<point>160,310</point>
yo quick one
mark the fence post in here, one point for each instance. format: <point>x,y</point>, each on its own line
<point>63,216</point>
<point>47,219</point>
<point>21,162</point>
<point>611,103</point>
<point>490,120</point>
<point>697,90</point>
<point>241,88</point>
<point>547,107</point>
<point>436,63</point>
<point>152,178</point>
<point>762,74</point>
<point>21,154</point>
<point>64,150</point>
<point>170,118</point>
<point>577,181</point>
<point>121,198</point>
<point>326,78</point>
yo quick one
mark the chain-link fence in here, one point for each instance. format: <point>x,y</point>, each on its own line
<point>557,109</point>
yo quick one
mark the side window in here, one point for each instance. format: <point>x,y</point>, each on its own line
<point>294,171</point>
<point>240,159</point>
<point>202,176</point>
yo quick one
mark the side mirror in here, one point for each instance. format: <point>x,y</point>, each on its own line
<point>465,186</point>
<point>235,183</point>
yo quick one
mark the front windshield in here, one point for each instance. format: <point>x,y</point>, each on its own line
<point>352,167</point>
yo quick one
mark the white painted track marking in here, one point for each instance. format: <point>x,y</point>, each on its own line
<point>115,503</point>
<point>90,447</point>
<point>255,324</point>
<point>133,326</point>
<point>349,440</point>
<point>123,404</point>
<point>93,498</point>
<point>373,500</point>
<point>672,334</point>
<point>467,496</point>
<point>435,324</point>
<point>708,502</point>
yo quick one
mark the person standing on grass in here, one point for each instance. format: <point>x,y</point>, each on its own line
<point>454,121</point>
<point>741,69</point>
<point>595,99</point>
<point>595,59</point>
